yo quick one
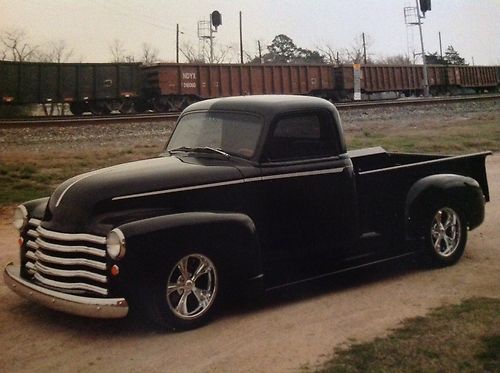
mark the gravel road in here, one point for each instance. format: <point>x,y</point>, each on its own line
<point>289,329</point>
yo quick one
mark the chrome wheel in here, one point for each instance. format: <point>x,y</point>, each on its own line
<point>446,232</point>
<point>192,286</point>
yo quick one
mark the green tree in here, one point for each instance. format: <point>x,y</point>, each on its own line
<point>452,57</point>
<point>435,59</point>
<point>308,56</point>
<point>281,50</point>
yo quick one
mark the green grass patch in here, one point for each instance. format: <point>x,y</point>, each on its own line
<point>21,182</point>
<point>463,138</point>
<point>458,338</point>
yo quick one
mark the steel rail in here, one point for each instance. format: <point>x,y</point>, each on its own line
<point>69,120</point>
<point>415,101</point>
<point>154,117</point>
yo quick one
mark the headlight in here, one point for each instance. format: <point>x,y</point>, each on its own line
<point>20,218</point>
<point>115,244</point>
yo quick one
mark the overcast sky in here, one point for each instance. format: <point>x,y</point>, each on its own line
<point>90,26</point>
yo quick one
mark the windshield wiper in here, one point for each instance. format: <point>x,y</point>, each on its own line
<point>204,149</point>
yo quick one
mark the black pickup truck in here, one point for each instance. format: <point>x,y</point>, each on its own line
<point>253,192</point>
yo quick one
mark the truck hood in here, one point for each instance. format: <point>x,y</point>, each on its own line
<point>76,201</point>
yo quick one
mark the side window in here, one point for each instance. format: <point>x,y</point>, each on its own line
<point>302,136</point>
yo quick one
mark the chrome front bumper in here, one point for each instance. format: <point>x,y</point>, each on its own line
<point>105,308</point>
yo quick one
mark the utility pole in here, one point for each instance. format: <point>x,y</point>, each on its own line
<point>177,45</point>
<point>364,47</point>
<point>211,40</point>
<point>241,40</point>
<point>260,51</point>
<point>440,46</point>
<point>426,80</point>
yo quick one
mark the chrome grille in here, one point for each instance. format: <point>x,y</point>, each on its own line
<point>69,262</point>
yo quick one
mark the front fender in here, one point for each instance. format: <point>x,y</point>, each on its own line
<point>36,207</point>
<point>433,191</point>
<point>230,237</point>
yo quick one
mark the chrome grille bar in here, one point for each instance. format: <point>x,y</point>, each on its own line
<point>69,273</point>
<point>69,261</point>
<point>70,249</point>
<point>71,236</point>
<point>71,285</point>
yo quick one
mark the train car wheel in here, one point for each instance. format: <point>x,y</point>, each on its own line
<point>77,108</point>
<point>99,108</point>
<point>126,106</point>
<point>162,104</point>
<point>48,108</point>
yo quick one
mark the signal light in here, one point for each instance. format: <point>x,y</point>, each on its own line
<point>425,5</point>
<point>216,18</point>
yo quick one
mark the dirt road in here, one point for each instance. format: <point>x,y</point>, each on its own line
<point>297,328</point>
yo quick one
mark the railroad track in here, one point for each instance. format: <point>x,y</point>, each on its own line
<point>117,118</point>
<point>68,120</point>
<point>415,101</point>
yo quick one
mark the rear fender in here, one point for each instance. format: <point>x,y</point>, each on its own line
<point>438,190</point>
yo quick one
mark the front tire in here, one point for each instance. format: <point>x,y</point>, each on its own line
<point>446,235</point>
<point>185,293</point>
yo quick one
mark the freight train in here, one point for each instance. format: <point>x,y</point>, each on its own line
<point>101,88</point>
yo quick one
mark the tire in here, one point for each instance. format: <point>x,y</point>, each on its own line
<point>77,108</point>
<point>446,235</point>
<point>185,293</point>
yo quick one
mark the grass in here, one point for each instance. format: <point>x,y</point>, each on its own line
<point>458,338</point>
<point>472,136</point>
<point>24,176</point>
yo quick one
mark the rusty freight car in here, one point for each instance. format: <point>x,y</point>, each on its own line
<point>174,86</point>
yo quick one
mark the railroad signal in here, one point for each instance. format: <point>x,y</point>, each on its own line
<point>425,5</point>
<point>216,18</point>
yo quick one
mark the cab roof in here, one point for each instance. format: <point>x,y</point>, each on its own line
<point>265,105</point>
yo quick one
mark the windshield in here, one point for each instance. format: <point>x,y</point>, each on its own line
<point>233,133</point>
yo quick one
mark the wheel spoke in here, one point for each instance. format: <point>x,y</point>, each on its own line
<point>451,220</point>
<point>173,287</point>
<point>449,245</point>
<point>182,305</point>
<point>202,269</point>
<point>437,244</point>
<point>183,267</point>
<point>439,218</point>
<point>202,296</point>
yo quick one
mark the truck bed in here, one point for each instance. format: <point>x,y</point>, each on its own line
<point>383,180</point>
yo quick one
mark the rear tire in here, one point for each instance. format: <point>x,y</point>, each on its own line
<point>445,235</point>
<point>185,293</point>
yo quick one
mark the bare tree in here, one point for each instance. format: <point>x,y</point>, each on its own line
<point>17,44</point>
<point>149,53</point>
<point>224,54</point>
<point>119,53</point>
<point>399,59</point>
<point>56,52</point>
<point>189,52</point>
<point>355,54</point>
<point>332,56</point>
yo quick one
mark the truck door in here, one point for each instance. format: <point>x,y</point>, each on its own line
<point>309,192</point>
